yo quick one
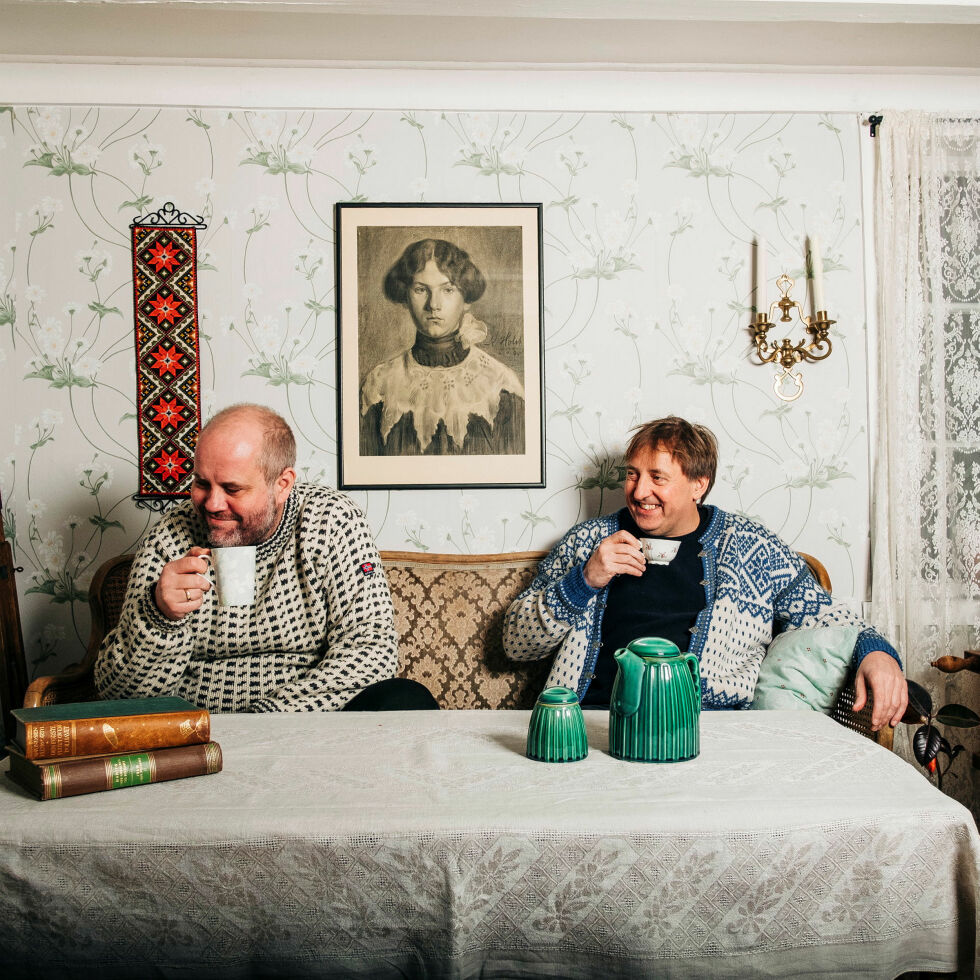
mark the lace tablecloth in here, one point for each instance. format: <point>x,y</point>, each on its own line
<point>425,844</point>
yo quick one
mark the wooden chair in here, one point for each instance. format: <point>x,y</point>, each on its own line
<point>108,590</point>
<point>106,595</point>
<point>13,662</point>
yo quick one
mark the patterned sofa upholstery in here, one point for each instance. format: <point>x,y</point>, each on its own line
<point>449,613</point>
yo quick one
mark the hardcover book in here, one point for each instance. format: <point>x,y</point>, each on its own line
<point>109,727</point>
<point>53,779</point>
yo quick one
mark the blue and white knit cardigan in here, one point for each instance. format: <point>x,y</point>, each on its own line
<point>752,581</point>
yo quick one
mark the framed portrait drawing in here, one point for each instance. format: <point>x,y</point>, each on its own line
<point>440,355</point>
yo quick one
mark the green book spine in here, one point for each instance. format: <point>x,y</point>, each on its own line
<point>74,777</point>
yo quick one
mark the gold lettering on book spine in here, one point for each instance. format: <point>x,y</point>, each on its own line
<point>109,733</point>
<point>51,738</point>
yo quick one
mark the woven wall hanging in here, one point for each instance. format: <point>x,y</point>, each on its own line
<point>168,390</point>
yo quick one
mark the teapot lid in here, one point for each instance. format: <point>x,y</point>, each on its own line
<point>653,646</point>
<point>557,695</point>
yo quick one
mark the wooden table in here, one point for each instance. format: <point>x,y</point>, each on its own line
<point>426,844</point>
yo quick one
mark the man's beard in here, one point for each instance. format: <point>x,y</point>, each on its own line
<point>249,530</point>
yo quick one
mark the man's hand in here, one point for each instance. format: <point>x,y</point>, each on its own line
<point>182,584</point>
<point>619,554</point>
<point>890,694</point>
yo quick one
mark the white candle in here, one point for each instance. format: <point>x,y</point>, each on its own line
<point>761,305</point>
<point>816,263</point>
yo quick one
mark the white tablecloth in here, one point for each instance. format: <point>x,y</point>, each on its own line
<point>426,844</point>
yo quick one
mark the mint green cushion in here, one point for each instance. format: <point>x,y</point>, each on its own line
<point>805,668</point>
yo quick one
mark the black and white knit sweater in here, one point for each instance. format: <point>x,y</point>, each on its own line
<point>320,631</point>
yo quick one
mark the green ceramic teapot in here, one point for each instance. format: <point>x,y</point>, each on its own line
<point>655,709</point>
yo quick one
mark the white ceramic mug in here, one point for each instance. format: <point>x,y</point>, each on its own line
<point>234,575</point>
<point>659,551</point>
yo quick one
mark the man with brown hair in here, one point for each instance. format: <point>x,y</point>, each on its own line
<point>730,583</point>
<point>320,634</point>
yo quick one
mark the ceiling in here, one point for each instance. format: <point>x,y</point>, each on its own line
<point>740,35</point>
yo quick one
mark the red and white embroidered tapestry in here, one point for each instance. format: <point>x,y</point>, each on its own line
<point>168,392</point>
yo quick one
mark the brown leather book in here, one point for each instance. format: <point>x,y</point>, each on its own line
<point>51,780</point>
<point>58,731</point>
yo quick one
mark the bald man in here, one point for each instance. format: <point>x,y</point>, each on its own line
<point>320,634</point>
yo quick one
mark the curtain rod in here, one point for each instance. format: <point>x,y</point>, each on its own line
<point>876,121</point>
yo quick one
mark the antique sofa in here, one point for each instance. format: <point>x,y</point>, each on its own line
<point>449,612</point>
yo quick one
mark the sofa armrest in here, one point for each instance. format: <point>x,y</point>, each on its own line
<point>860,721</point>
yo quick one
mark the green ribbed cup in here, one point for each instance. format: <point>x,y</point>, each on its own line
<point>556,732</point>
<point>655,706</point>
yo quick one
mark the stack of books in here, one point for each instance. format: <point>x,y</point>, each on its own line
<point>69,749</point>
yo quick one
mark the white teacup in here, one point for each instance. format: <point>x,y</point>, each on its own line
<point>234,575</point>
<point>659,551</point>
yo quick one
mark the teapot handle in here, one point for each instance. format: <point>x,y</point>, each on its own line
<point>695,666</point>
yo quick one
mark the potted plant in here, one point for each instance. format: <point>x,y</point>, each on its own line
<point>929,746</point>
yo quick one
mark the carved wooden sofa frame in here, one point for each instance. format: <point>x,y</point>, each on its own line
<point>449,612</point>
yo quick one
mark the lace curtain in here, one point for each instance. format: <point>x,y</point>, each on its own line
<point>926,519</point>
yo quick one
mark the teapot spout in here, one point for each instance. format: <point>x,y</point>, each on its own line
<point>629,682</point>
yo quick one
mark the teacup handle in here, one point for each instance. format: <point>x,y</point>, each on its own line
<point>210,561</point>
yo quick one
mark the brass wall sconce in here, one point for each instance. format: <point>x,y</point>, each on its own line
<point>788,385</point>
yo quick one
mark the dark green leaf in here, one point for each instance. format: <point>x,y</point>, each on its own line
<point>44,160</point>
<point>104,310</point>
<point>920,701</point>
<point>138,205</point>
<point>958,716</point>
<point>103,524</point>
<point>44,588</point>
<point>926,743</point>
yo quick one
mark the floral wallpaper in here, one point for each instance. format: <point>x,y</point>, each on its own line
<point>648,227</point>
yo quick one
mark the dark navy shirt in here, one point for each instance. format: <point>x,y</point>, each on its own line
<point>664,601</point>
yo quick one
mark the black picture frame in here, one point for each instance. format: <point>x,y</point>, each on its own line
<point>440,355</point>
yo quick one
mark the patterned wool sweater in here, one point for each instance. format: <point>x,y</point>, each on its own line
<point>752,582</point>
<point>321,628</point>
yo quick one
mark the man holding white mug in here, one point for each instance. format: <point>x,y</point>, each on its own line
<point>716,585</point>
<point>312,626</point>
